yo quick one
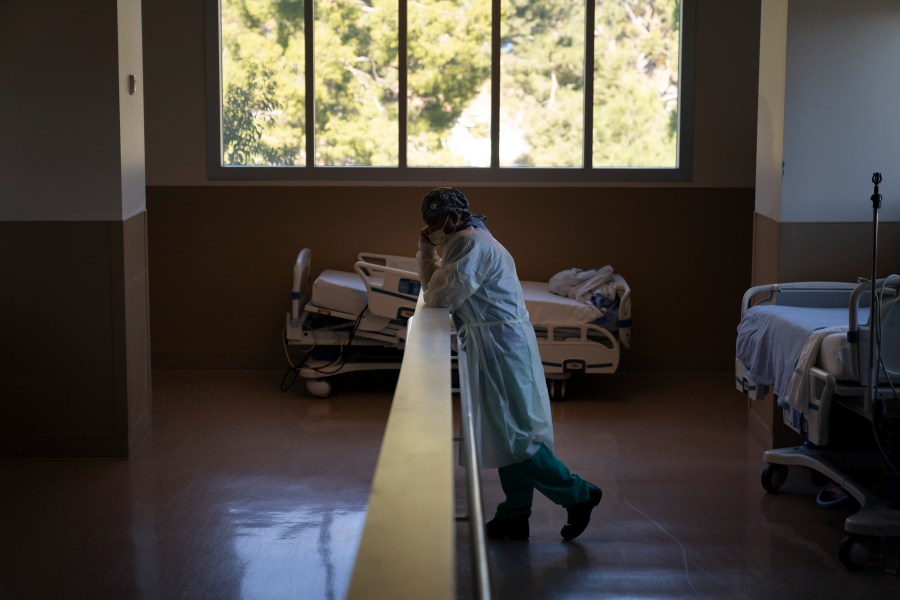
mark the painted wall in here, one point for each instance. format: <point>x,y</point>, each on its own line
<point>841,118</point>
<point>770,118</point>
<point>831,68</point>
<point>131,108</point>
<point>222,273</point>
<point>65,109</point>
<point>74,363</point>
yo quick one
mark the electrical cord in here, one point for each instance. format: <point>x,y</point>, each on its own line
<point>339,360</point>
<point>875,327</point>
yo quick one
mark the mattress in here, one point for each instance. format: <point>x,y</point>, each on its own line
<point>771,338</point>
<point>545,308</point>
<point>345,292</point>
<point>340,291</point>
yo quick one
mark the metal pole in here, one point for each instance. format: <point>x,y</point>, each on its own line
<point>874,314</point>
<point>482,583</point>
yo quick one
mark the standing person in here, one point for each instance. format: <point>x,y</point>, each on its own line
<point>476,278</point>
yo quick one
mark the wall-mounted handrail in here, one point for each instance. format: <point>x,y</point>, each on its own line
<point>482,582</point>
<point>408,546</point>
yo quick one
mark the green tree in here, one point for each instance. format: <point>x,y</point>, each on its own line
<point>356,83</point>
<point>542,78</point>
<point>636,83</point>
<point>449,63</point>
<point>262,82</point>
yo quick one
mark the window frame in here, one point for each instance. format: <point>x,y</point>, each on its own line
<point>402,173</point>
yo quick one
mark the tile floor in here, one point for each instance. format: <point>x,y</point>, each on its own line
<point>244,491</point>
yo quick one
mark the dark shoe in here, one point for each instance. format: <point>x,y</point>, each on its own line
<point>507,529</point>
<point>580,514</point>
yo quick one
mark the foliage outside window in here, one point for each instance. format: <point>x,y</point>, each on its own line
<point>430,64</point>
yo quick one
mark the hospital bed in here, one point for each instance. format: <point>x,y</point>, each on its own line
<point>352,321</point>
<point>809,344</point>
<point>573,337</point>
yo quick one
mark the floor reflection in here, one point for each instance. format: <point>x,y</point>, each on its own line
<point>245,492</point>
<point>306,552</point>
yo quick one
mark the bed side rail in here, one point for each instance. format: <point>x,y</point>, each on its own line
<point>812,294</point>
<point>300,289</point>
<point>404,263</point>
<point>624,324</point>
<point>392,292</point>
<point>887,287</point>
<point>887,346</point>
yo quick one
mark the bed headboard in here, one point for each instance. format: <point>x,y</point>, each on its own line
<point>817,294</point>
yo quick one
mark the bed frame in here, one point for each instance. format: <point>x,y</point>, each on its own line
<point>852,428</point>
<point>339,342</point>
<point>572,348</point>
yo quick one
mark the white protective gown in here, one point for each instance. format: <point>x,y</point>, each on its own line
<point>477,280</point>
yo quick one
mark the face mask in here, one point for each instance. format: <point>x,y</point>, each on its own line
<point>438,237</point>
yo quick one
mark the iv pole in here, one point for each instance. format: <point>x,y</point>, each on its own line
<point>873,297</point>
<point>891,421</point>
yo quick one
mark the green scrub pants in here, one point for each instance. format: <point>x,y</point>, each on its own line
<point>543,472</point>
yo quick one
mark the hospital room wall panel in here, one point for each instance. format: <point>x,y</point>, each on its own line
<point>765,249</point>
<point>221,260</point>
<point>836,251</point>
<point>132,320</point>
<point>75,333</point>
<point>784,252</point>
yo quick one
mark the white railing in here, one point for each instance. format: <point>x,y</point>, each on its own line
<point>408,545</point>
<point>481,583</point>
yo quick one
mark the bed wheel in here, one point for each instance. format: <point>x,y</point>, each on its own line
<point>773,477</point>
<point>557,389</point>
<point>853,552</point>
<point>318,388</point>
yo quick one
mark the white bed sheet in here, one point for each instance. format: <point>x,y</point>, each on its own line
<point>545,308</point>
<point>834,356</point>
<point>771,338</point>
<point>340,291</point>
<point>346,292</point>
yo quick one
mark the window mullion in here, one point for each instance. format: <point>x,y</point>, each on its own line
<point>495,84</point>
<point>589,18</point>
<point>402,66</point>
<point>308,69</point>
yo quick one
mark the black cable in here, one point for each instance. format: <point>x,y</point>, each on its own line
<point>875,326</point>
<point>296,372</point>
<point>321,368</point>
<point>340,356</point>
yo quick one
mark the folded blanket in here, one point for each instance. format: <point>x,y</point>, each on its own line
<point>583,285</point>
<point>771,339</point>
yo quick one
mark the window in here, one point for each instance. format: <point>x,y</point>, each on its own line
<point>481,90</point>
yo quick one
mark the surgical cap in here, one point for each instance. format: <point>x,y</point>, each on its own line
<point>443,200</point>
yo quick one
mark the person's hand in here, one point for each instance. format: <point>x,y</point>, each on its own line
<point>423,235</point>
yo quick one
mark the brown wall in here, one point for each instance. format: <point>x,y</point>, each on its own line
<point>785,252</point>
<point>222,257</point>
<point>74,358</point>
